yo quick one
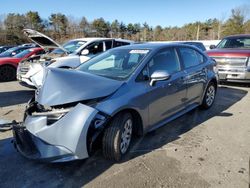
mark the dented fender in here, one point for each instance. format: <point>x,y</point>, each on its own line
<point>62,133</point>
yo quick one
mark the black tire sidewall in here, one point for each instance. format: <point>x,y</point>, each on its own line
<point>125,117</point>
<point>11,70</point>
<point>112,137</point>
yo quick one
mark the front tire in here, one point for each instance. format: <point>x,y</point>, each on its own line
<point>7,73</point>
<point>209,96</point>
<point>117,137</point>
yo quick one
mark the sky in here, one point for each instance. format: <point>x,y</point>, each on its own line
<point>154,12</point>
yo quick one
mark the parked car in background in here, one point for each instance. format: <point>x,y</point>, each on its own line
<point>30,66</point>
<point>199,45</point>
<point>232,55</point>
<point>124,91</point>
<point>78,51</point>
<point>8,65</point>
<point>4,48</point>
<point>14,51</point>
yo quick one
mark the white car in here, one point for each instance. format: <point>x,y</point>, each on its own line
<point>78,51</point>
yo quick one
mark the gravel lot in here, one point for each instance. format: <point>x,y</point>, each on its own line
<point>200,149</point>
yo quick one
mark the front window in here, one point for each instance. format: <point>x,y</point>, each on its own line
<point>165,60</point>
<point>116,64</point>
<point>242,42</point>
<point>95,48</point>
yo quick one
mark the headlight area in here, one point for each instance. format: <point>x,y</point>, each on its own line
<point>52,114</point>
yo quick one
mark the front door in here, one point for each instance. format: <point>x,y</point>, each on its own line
<point>166,97</point>
<point>94,48</point>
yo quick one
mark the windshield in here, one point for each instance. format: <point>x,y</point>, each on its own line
<point>243,42</point>
<point>116,64</point>
<point>70,46</point>
<point>23,53</point>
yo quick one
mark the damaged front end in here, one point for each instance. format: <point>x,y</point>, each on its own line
<point>30,72</point>
<point>57,134</point>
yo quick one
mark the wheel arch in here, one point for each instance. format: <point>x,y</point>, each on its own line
<point>213,80</point>
<point>139,131</point>
<point>14,65</point>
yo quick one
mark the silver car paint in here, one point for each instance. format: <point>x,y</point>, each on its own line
<point>68,61</point>
<point>156,104</point>
<point>60,87</point>
<point>68,140</point>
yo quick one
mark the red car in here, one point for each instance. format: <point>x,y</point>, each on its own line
<point>8,65</point>
<point>232,55</point>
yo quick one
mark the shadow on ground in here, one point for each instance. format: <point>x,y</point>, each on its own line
<point>19,172</point>
<point>15,97</point>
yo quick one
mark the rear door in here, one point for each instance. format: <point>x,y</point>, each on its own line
<point>196,74</point>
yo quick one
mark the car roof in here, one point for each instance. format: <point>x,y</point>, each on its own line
<point>154,46</point>
<point>237,36</point>
<point>89,39</point>
<point>193,43</point>
<point>20,47</point>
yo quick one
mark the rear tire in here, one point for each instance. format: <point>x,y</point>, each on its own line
<point>209,96</point>
<point>117,137</point>
<point>7,73</point>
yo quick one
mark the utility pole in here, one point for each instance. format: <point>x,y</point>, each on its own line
<point>198,32</point>
<point>219,30</point>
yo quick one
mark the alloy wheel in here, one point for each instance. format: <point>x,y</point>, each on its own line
<point>126,136</point>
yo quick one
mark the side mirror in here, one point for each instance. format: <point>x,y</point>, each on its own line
<point>85,52</point>
<point>212,46</point>
<point>159,76</point>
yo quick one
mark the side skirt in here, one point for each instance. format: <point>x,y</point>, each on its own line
<point>173,117</point>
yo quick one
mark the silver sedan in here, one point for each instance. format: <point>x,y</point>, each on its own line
<point>123,92</point>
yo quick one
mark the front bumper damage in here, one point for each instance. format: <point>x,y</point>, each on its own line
<point>59,141</point>
<point>31,74</point>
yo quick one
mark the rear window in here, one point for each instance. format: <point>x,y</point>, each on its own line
<point>190,57</point>
<point>119,43</point>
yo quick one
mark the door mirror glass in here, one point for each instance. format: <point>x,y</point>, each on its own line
<point>212,46</point>
<point>85,52</point>
<point>159,75</point>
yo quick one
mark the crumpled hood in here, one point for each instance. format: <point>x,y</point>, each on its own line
<point>62,86</point>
